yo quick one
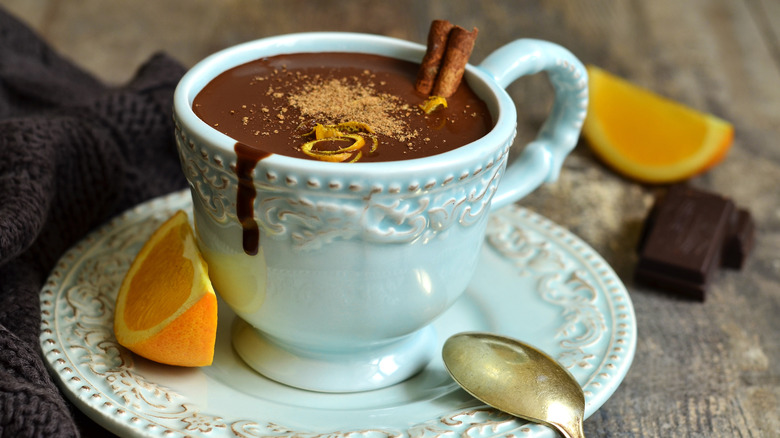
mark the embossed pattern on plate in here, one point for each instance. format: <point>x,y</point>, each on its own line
<point>536,282</point>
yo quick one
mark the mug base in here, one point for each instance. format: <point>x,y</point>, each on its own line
<point>335,372</point>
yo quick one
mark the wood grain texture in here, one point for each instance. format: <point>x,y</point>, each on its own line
<point>701,369</point>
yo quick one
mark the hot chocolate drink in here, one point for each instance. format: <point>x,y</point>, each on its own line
<point>348,107</point>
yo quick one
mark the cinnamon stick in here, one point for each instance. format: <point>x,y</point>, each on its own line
<point>437,43</point>
<point>460,43</point>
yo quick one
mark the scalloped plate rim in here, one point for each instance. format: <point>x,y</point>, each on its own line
<point>122,418</point>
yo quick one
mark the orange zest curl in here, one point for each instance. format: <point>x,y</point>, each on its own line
<point>338,155</point>
<point>353,132</point>
<point>432,103</point>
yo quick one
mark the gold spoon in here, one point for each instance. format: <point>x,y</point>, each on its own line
<point>517,379</point>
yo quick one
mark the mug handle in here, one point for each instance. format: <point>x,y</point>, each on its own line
<point>542,158</point>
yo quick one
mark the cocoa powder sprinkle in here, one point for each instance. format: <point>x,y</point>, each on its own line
<point>340,101</point>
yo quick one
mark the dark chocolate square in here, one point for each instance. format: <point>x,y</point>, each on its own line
<point>682,245</point>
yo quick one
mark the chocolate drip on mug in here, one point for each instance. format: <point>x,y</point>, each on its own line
<point>247,159</point>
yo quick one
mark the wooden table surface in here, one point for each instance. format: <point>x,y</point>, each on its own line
<point>707,369</point>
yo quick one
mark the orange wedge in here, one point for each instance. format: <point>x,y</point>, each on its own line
<point>647,137</point>
<point>166,309</point>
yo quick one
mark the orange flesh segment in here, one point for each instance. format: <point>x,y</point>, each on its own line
<point>153,277</point>
<point>678,128</point>
<point>648,137</point>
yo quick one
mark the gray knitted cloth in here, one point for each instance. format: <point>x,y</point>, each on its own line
<point>73,153</point>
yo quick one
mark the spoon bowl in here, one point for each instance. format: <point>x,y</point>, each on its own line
<point>516,378</point>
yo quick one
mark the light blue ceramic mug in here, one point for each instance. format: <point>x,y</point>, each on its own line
<point>357,259</point>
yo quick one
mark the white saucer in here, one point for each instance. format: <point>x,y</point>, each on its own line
<point>536,282</point>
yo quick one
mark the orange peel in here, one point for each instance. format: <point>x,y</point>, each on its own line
<point>432,103</point>
<point>346,131</point>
